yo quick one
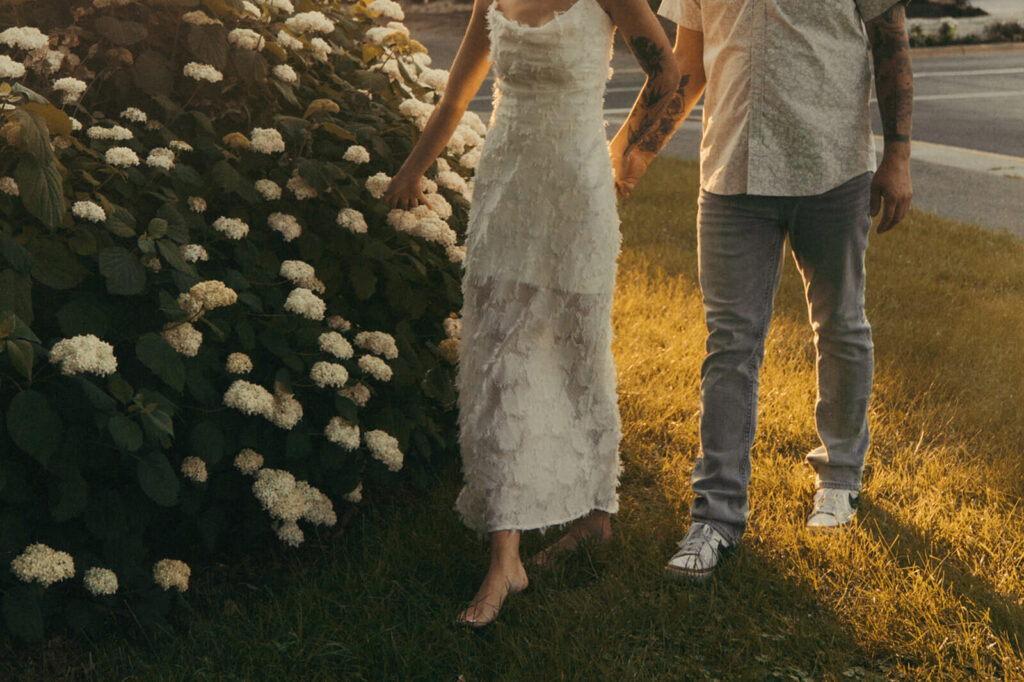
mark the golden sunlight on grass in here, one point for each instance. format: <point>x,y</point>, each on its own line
<point>932,580</point>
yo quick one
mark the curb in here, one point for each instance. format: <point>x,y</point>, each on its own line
<point>974,48</point>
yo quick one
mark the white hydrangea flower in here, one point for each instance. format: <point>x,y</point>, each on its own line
<point>207,295</point>
<point>456,254</point>
<point>121,156</point>
<point>9,186</point>
<point>452,327</point>
<point>319,509</point>
<point>194,469</point>
<point>287,41</point>
<point>421,59</point>
<point>71,87</point>
<point>475,123</point>
<point>232,227</point>
<point>377,184</point>
<point>379,343</point>
<point>286,224</point>
<point>416,111</point>
<point>184,338</point>
<point>352,220</point>
<point>246,39</point>
<point>10,68</point>
<point>290,534</point>
<point>238,363</point>
<point>198,18</point>
<point>249,398</point>
<point>197,205</point>
<point>440,206</point>
<point>300,188</point>
<point>386,8</point>
<point>335,344</point>
<point>320,48</point>
<point>435,79</point>
<point>452,181</point>
<point>88,210</point>
<point>45,60</point>
<point>251,9</point>
<point>285,73</point>
<point>268,189</point>
<point>153,263</point>
<point>357,393</point>
<point>275,490</point>
<point>27,38</point>
<point>450,350</point>
<point>193,253</point>
<point>180,146</point>
<point>384,448</point>
<point>375,367</point>
<point>112,133</point>
<point>326,374</point>
<point>338,323</point>
<point>356,496</point>
<point>302,275</point>
<point>309,22</point>
<point>303,301</point>
<point>266,140</point>
<point>248,461</point>
<point>343,433</point>
<point>471,158</point>
<point>427,186</point>
<point>76,125</point>
<point>135,115</point>
<point>202,72</point>
<point>100,581</point>
<point>287,410</point>
<point>379,34</point>
<point>168,573</point>
<point>356,154</point>
<point>43,564</point>
<point>84,353</point>
<point>160,157</point>
<point>283,5</point>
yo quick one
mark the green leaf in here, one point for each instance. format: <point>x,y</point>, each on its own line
<point>96,396</point>
<point>119,221</point>
<point>225,177</point>
<point>33,425</point>
<point>158,479</point>
<point>156,354</point>
<point>250,65</point>
<point>209,45</point>
<point>22,614</point>
<point>207,442</point>
<point>22,357</point>
<point>177,227</point>
<point>364,282</point>
<point>125,273</point>
<point>153,73</point>
<point>35,138</point>
<point>120,389</point>
<point>82,316</point>
<point>54,265</point>
<point>42,189</point>
<point>14,253</point>
<point>314,172</point>
<point>171,254</point>
<point>126,432</point>
<point>82,242</point>
<point>157,228</point>
<point>438,385</point>
<point>121,32</point>
<point>57,121</point>
<point>16,294</point>
<point>72,498</point>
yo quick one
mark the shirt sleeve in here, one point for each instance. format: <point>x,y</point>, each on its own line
<point>685,13</point>
<point>869,9</point>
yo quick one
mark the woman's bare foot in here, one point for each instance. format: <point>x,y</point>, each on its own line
<point>597,526</point>
<point>505,576</point>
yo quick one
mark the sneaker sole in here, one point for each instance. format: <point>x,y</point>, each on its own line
<point>688,576</point>
<point>852,521</point>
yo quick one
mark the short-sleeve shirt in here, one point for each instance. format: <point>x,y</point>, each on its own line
<point>786,110</point>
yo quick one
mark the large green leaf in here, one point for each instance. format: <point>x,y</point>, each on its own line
<point>54,265</point>
<point>158,479</point>
<point>16,294</point>
<point>156,354</point>
<point>250,66</point>
<point>42,189</point>
<point>35,138</point>
<point>14,253</point>
<point>33,425</point>
<point>82,316</point>
<point>209,45</point>
<point>124,272</point>
<point>207,442</point>
<point>22,614</point>
<point>22,356</point>
<point>126,432</point>
<point>121,32</point>
<point>153,73</point>
<point>57,121</point>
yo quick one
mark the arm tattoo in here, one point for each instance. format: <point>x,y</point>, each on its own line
<point>651,135</point>
<point>647,54</point>
<point>894,81</point>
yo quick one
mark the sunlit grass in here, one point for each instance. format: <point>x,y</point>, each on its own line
<point>929,585</point>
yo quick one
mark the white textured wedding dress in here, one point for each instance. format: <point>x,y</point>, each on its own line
<point>538,415</point>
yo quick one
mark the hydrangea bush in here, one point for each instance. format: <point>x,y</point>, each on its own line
<point>211,327</point>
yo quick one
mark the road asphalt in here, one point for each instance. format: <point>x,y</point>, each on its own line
<point>972,185</point>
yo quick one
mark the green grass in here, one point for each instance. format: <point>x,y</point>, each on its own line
<point>929,585</point>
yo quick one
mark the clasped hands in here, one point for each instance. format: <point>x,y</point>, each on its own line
<point>629,167</point>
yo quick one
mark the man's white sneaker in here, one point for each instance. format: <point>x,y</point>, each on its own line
<point>833,507</point>
<point>699,553</point>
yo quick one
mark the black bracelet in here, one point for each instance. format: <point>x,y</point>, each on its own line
<point>896,137</point>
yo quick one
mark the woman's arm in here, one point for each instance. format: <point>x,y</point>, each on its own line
<point>468,72</point>
<point>637,143</point>
<point>647,40</point>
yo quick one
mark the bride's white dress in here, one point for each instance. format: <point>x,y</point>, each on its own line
<point>538,415</point>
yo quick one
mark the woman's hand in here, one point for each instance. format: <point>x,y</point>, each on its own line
<point>405,190</point>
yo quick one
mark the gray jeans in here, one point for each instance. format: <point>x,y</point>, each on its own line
<point>740,246</point>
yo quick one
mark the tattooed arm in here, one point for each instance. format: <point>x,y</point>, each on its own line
<point>894,86</point>
<point>647,130</point>
<point>645,37</point>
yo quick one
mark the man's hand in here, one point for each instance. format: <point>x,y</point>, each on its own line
<point>629,171</point>
<point>891,191</point>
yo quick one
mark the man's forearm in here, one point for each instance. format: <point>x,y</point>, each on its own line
<point>894,80</point>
